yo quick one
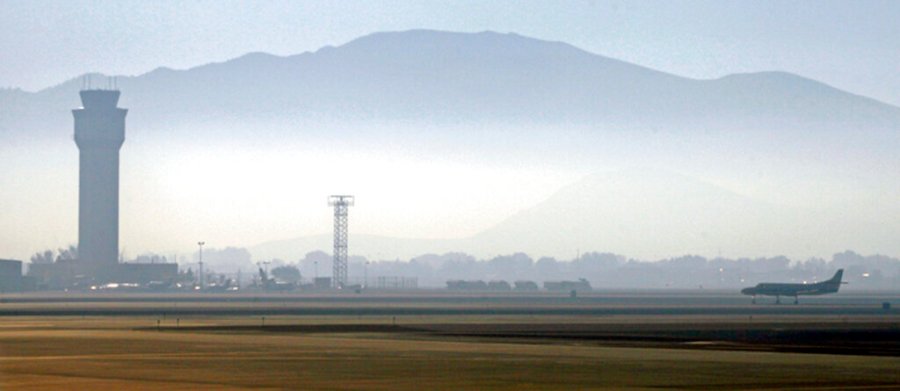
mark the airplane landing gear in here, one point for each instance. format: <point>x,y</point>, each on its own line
<point>796,300</point>
<point>777,299</point>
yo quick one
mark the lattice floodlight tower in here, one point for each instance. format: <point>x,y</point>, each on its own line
<point>341,204</point>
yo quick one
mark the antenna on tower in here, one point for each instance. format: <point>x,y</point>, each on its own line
<point>341,204</point>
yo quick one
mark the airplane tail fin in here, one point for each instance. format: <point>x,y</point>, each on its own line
<point>835,282</point>
<point>837,276</point>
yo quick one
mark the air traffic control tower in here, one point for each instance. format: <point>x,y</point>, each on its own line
<point>99,133</point>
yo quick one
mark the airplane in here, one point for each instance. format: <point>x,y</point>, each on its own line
<point>784,289</point>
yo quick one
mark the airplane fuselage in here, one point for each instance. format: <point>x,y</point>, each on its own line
<point>789,289</point>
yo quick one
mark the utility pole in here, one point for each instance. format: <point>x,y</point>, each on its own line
<point>200,244</point>
<point>265,277</point>
<point>265,265</point>
<point>341,204</point>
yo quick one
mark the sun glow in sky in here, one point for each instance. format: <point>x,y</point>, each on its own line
<point>240,196</point>
<point>400,196</point>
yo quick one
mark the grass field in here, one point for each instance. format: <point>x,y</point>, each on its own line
<point>198,351</point>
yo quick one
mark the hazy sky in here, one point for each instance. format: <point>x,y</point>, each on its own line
<point>172,197</point>
<point>852,45</point>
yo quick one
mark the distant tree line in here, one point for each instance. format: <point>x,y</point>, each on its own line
<point>61,255</point>
<point>611,271</point>
<point>601,270</point>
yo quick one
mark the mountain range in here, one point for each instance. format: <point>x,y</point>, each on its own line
<point>767,162</point>
<point>442,77</point>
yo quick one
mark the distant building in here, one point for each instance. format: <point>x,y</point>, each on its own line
<point>11,278</point>
<point>145,273</point>
<point>322,282</point>
<point>526,286</point>
<point>581,285</point>
<point>396,282</point>
<point>59,275</point>
<point>462,285</point>
<point>67,275</point>
<point>499,285</point>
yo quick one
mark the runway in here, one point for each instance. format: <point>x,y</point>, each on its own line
<point>435,302</point>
